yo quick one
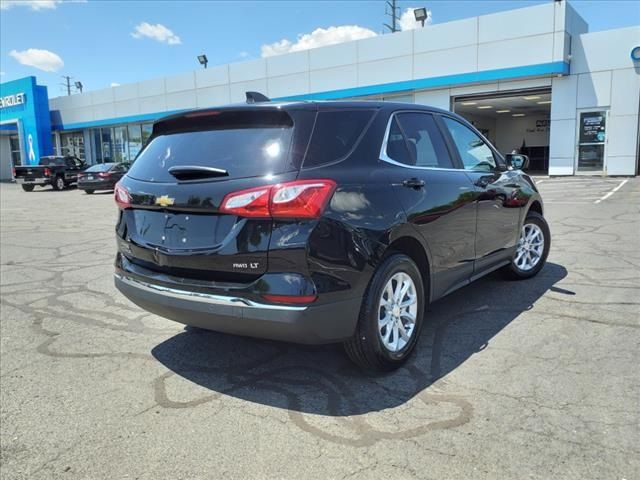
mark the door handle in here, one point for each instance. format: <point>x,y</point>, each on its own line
<point>413,183</point>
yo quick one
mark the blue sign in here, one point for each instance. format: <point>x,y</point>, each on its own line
<point>635,54</point>
<point>25,107</point>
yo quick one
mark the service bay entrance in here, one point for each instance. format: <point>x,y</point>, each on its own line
<point>514,121</point>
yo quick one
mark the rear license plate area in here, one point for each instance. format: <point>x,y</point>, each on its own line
<point>178,231</point>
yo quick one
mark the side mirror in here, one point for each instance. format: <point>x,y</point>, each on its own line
<point>517,161</point>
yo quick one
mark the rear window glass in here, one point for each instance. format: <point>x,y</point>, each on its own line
<point>52,161</point>
<point>101,167</point>
<point>335,134</point>
<point>245,144</point>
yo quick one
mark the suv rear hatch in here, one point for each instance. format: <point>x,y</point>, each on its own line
<point>172,220</point>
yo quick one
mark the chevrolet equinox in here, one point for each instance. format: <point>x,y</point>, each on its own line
<point>321,222</point>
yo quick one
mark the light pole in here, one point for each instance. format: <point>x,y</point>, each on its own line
<point>203,60</point>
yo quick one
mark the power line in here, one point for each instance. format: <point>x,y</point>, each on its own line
<point>67,84</point>
<point>392,10</point>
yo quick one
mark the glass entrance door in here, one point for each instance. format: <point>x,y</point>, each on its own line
<point>592,137</point>
<point>16,157</point>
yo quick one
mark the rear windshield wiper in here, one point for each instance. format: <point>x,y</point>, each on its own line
<point>194,172</point>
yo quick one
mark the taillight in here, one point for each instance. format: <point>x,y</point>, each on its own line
<point>47,172</point>
<point>122,196</point>
<point>13,172</point>
<point>104,174</point>
<point>298,199</point>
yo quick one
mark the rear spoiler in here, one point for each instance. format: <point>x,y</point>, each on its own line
<point>256,97</point>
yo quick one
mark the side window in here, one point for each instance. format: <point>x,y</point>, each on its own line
<point>424,140</point>
<point>397,149</point>
<point>474,152</point>
<point>335,134</point>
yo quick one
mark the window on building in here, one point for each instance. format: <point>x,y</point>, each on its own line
<point>16,159</point>
<point>72,143</point>
<point>147,128</point>
<point>120,145</point>
<point>135,141</point>
<point>97,145</point>
<point>106,145</point>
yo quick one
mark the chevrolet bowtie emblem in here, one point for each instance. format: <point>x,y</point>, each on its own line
<point>164,201</point>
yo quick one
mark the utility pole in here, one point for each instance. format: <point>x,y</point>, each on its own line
<point>393,11</point>
<point>67,84</point>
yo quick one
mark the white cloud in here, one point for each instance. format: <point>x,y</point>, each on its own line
<point>37,58</point>
<point>408,20</point>
<point>114,84</point>
<point>157,32</point>
<point>35,5</point>
<point>318,38</point>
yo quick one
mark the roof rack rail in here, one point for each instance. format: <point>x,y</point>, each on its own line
<point>256,97</point>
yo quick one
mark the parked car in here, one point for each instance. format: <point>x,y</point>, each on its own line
<point>321,222</point>
<point>102,176</point>
<point>57,171</point>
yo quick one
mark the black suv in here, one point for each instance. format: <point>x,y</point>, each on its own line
<point>321,222</point>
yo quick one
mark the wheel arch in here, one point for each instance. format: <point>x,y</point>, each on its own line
<point>415,250</point>
<point>536,206</point>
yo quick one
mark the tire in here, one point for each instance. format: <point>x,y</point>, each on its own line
<point>534,226</point>
<point>368,348</point>
<point>59,183</point>
<point>28,188</point>
<point>89,192</point>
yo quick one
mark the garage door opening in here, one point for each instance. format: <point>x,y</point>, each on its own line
<point>515,122</point>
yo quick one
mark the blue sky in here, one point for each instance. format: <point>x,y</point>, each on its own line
<point>101,42</point>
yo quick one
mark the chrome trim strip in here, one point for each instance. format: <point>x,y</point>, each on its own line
<point>383,150</point>
<point>204,297</point>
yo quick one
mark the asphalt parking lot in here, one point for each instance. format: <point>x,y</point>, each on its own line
<point>535,379</point>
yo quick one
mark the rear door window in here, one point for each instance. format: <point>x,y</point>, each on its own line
<point>425,146</point>
<point>244,143</point>
<point>335,134</point>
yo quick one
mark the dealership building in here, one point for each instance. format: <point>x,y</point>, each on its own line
<point>532,80</point>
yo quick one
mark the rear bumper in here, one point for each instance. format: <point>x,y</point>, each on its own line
<point>96,185</point>
<point>34,181</point>
<point>313,324</point>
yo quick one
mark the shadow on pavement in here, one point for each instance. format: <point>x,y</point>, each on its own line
<point>321,380</point>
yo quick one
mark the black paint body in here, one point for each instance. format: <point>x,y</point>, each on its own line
<point>459,226</point>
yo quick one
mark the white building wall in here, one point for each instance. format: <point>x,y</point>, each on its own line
<point>527,36</point>
<point>603,76</point>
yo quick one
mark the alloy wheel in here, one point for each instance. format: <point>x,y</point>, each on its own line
<point>530,247</point>
<point>397,312</point>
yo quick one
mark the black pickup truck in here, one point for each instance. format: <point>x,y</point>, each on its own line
<point>57,171</point>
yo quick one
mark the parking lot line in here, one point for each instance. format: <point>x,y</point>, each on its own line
<point>612,191</point>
